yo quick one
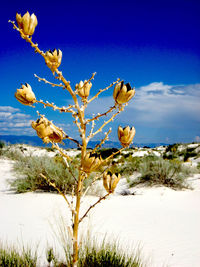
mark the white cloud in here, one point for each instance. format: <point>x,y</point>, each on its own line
<point>155,87</point>
<point>156,105</point>
<point>8,109</point>
<point>12,121</point>
<point>167,104</point>
<point>4,115</point>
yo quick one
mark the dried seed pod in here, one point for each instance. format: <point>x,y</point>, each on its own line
<point>25,95</point>
<point>47,131</point>
<point>53,59</point>
<point>126,135</point>
<point>110,181</point>
<point>83,88</point>
<point>90,162</point>
<point>123,93</point>
<point>27,23</point>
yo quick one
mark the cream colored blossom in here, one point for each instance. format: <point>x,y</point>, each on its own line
<point>90,163</point>
<point>126,135</point>
<point>110,181</point>
<point>123,93</point>
<point>53,59</point>
<point>25,95</point>
<point>47,131</point>
<point>27,23</point>
<point>83,88</point>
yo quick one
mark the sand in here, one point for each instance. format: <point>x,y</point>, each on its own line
<point>164,223</point>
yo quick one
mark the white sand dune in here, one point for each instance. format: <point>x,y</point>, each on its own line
<point>165,223</point>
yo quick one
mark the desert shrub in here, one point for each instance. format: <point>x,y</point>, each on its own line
<point>170,156</point>
<point>11,257</point>
<point>53,168</point>
<point>189,153</point>
<point>106,152</point>
<point>171,152</point>
<point>11,152</point>
<point>170,173</point>
<point>172,148</point>
<point>131,164</point>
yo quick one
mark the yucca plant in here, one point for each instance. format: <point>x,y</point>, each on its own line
<point>50,133</point>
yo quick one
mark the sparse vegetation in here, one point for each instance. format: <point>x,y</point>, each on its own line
<point>11,257</point>
<point>170,173</point>
<point>153,169</point>
<point>107,255</point>
<point>177,151</point>
<point>30,168</point>
<point>189,153</point>
<point>13,152</point>
<point>90,255</point>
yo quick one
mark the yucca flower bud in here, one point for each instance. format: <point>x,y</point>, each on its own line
<point>27,23</point>
<point>123,93</point>
<point>90,163</point>
<point>53,59</point>
<point>110,181</point>
<point>126,135</point>
<point>25,95</point>
<point>83,88</point>
<point>47,131</point>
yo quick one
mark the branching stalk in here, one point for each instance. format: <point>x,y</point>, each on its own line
<point>63,109</point>
<point>102,141</point>
<point>103,90</point>
<point>101,115</point>
<point>52,84</point>
<point>78,113</point>
<point>92,206</point>
<point>106,122</point>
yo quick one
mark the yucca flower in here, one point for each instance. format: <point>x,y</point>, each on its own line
<point>126,135</point>
<point>47,131</point>
<point>90,163</point>
<point>25,95</point>
<point>123,93</point>
<point>27,23</point>
<point>110,181</point>
<point>53,59</point>
<point>83,88</point>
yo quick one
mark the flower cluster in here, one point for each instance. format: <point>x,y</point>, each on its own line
<point>123,93</point>
<point>27,23</point>
<point>83,89</point>
<point>110,181</point>
<point>47,131</point>
<point>126,135</point>
<point>90,163</point>
<point>53,59</point>
<point>25,95</point>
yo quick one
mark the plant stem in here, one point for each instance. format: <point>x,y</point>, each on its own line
<point>76,219</point>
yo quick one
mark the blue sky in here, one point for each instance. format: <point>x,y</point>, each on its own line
<point>154,45</point>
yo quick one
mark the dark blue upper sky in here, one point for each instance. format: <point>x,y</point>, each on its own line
<point>155,45</point>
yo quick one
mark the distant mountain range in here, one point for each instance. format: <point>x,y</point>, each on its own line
<point>35,141</point>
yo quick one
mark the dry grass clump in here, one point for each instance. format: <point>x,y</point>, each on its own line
<point>90,255</point>
<point>11,257</point>
<point>93,255</point>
